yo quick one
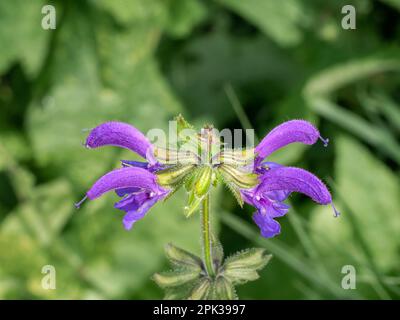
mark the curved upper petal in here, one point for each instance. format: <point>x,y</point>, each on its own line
<point>128,177</point>
<point>119,134</point>
<point>295,180</point>
<point>286,133</point>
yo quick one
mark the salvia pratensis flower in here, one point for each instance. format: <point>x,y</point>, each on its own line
<point>203,164</point>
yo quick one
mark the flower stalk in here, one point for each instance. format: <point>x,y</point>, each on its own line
<point>206,235</point>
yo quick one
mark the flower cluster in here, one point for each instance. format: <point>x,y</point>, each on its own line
<point>262,184</point>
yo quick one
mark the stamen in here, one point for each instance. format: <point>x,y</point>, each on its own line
<point>324,141</point>
<point>78,204</point>
<point>336,212</point>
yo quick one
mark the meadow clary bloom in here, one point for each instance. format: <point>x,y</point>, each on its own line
<point>277,182</point>
<point>264,185</point>
<point>136,182</point>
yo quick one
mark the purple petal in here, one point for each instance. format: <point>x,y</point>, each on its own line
<point>268,226</point>
<point>262,167</point>
<point>151,166</point>
<point>277,209</point>
<point>124,191</point>
<point>295,180</point>
<point>129,177</point>
<point>118,134</point>
<point>286,133</point>
<point>136,207</point>
<point>130,163</point>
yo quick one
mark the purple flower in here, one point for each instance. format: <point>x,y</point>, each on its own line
<point>265,186</point>
<point>136,182</point>
<point>278,182</point>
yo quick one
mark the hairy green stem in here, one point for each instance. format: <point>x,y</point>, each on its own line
<point>206,234</point>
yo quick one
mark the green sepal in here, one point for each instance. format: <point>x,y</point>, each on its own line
<point>201,290</point>
<point>178,293</point>
<point>175,176</point>
<point>223,289</point>
<point>232,188</point>
<point>203,181</point>
<point>182,123</point>
<point>193,203</point>
<point>175,157</point>
<point>236,157</point>
<point>217,250</point>
<point>182,259</point>
<point>243,266</point>
<point>175,278</point>
<point>238,177</point>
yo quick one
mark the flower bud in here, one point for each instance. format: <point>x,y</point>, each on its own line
<point>239,178</point>
<point>173,176</point>
<point>203,181</point>
<point>235,158</point>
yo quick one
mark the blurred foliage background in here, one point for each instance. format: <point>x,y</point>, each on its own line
<point>234,63</point>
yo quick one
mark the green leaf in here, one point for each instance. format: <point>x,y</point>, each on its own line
<point>132,257</point>
<point>338,76</point>
<point>371,192</point>
<point>267,16</point>
<point>183,16</point>
<point>135,11</point>
<point>21,28</point>
<point>355,124</point>
<point>393,3</point>
<point>134,91</point>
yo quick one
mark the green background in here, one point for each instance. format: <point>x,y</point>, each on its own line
<point>234,63</point>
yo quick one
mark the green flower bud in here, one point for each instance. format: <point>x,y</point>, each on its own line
<point>203,181</point>
<point>182,123</point>
<point>175,278</point>
<point>239,178</point>
<point>243,266</point>
<point>235,158</point>
<point>175,176</point>
<point>182,258</point>
<point>202,290</point>
<point>193,203</point>
<point>175,157</point>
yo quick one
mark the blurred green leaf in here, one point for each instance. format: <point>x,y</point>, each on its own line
<point>122,260</point>
<point>338,76</point>
<point>134,92</point>
<point>267,15</point>
<point>375,207</point>
<point>394,3</point>
<point>376,136</point>
<point>135,11</point>
<point>183,16</point>
<point>21,28</point>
